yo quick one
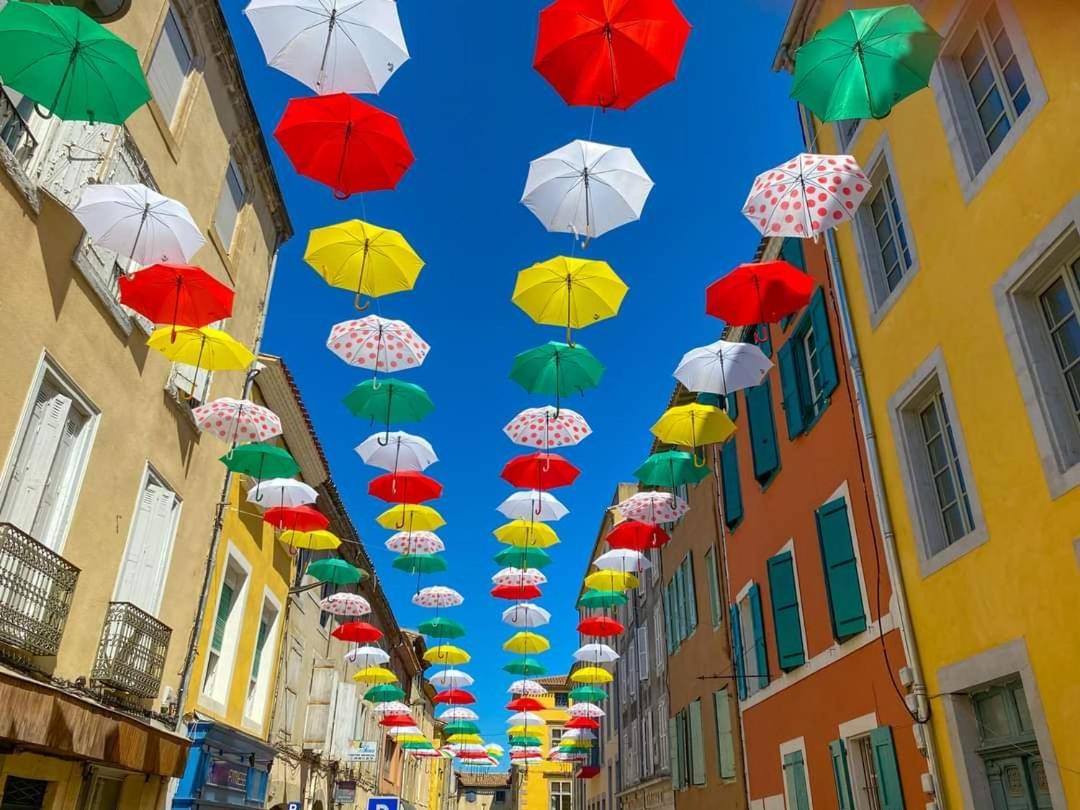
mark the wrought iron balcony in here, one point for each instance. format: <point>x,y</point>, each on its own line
<point>36,585</point>
<point>131,656</point>
<point>15,133</point>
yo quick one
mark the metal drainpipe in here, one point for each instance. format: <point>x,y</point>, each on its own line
<point>215,540</point>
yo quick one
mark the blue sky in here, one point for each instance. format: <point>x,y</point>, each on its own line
<point>476,113</point>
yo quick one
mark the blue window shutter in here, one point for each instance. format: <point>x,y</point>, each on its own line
<point>841,570</point>
<point>791,251</point>
<point>825,355</point>
<point>732,406</point>
<point>736,651</point>
<point>795,779</point>
<point>706,398</point>
<point>762,431</point>
<point>761,658</point>
<point>789,384</point>
<point>888,782</point>
<point>785,610</point>
<point>840,775</point>
<point>669,624</point>
<point>732,487</point>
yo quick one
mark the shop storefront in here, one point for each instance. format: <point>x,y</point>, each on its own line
<point>225,768</point>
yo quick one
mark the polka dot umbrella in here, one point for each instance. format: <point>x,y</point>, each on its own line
<point>416,543</point>
<point>547,427</point>
<point>527,687</point>
<point>437,596</point>
<point>237,420</point>
<point>345,604</point>
<point>519,576</point>
<point>653,507</point>
<point>377,344</point>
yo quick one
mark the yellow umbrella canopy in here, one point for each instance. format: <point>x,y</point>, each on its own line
<point>475,739</point>
<point>320,540</point>
<point>364,258</point>
<point>591,675</point>
<point>527,643</point>
<point>203,347</point>
<point>693,425</point>
<point>525,730</point>
<point>569,292</point>
<point>447,654</point>
<point>375,675</point>
<point>611,581</point>
<point>526,534</point>
<point>412,517</point>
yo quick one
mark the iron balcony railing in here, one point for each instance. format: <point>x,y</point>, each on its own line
<point>14,132</point>
<point>131,656</point>
<point>36,586</point>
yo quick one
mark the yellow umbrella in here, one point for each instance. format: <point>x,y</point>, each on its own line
<point>404,738</point>
<point>364,258</point>
<point>319,540</point>
<point>611,581</point>
<point>591,675</point>
<point>694,425</point>
<point>526,534</point>
<point>527,643</point>
<point>375,675</point>
<point>525,731</point>
<point>411,517</point>
<point>475,739</point>
<point>447,654</point>
<point>204,348</point>
<point>569,292</point>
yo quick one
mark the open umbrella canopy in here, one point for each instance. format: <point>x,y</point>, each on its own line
<point>525,719</point>
<point>582,722</point>
<point>514,557</point>
<point>591,675</point>
<point>539,471</point>
<point>261,461</point>
<point>527,687</point>
<point>458,739</point>
<point>378,344</point>
<point>337,572</point>
<point>441,627</point>
<point>437,596</point>
<point>596,654</point>
<point>526,534</point>
<point>759,292</point>
<point>420,563</point>
<point>525,704</point>
<point>368,260</point>
<point>653,507</point>
<point>401,721</point>
<point>518,576</point>
<point>623,559</point>
<point>636,535</point>
<point>397,451</point>
<point>528,667</point>
<point>318,540</point>
<point>357,632</point>
<point>447,654</point>
<point>671,469</point>
<point>345,604</point>
<point>601,599</point>
<point>280,493</point>
<point>569,292</point>
<point>526,643</point>
<point>202,347</point>
<point>611,581</point>
<point>374,676</point>
<point>722,368</point>
<point>585,709</point>
<point>600,627</point>
<point>405,487</point>
<point>367,656</point>
<point>587,694</point>
<point>237,420</point>
<point>547,427</point>
<point>388,401</point>
<point>176,294</point>
<point>516,593</point>
<point>455,697</point>
<point>451,679</point>
<point>411,517</point>
<point>296,518</point>
<point>532,504</point>
<point>558,369</point>
<point>384,693</point>
<point>458,713</point>
<point>415,543</point>
<point>693,425</point>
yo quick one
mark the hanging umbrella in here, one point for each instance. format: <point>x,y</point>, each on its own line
<point>420,563</point>
<point>437,596</point>
<point>601,599</point>
<point>522,741</point>
<point>235,420</point>
<point>411,517</point>
<point>532,504</point>
<point>457,713</point>
<point>357,632</point>
<point>336,572</point>
<point>557,368</point>
<point>806,196</point>
<point>516,593</point>
<point>526,534</point>
<point>384,693</point>
<point>525,666</point>
<point>466,739</point>
<point>374,676</point>
<point>694,425</point>
<point>261,461</point>
<point>596,654</point>
<point>455,697</point>
<point>761,292</point>
<point>523,558</point>
<point>587,694</point>
<point>344,143</point>
<point>389,401</point>
<point>441,627</point>
<point>415,543</point>
<point>405,487</point>
<point>345,604</point>
<point>569,292</point>
<point>377,344</point>
<point>447,654</point>
<point>526,643</point>
<point>281,492</point>
<point>363,258</point>
<point>579,734</point>
<point>609,54</point>
<point>525,719</point>
<point>332,46</point>
<point>653,507</point>
<point>864,62</point>
<point>405,723</point>
<point>527,687</point>
<point>494,749</point>
<point>586,188</point>
<point>319,540</point>
<point>547,427</point>
<point>64,61</point>
<point>636,535</point>
<point>585,709</point>
<point>176,294</point>
<point>623,560</point>
<point>202,347</point>
<point>402,451</point>
<point>368,657</point>
<point>600,627</point>
<point>406,732</point>
<point>722,368</point>
<point>611,581</point>
<point>519,576</point>
<point>539,471</point>
<point>296,518</point>
<point>591,675</point>
<point>582,722</point>
<point>451,679</point>
<point>525,704</point>
<point>141,224</point>
<point>671,469</point>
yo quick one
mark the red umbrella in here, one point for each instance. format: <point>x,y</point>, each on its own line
<point>516,592</point>
<point>296,518</point>
<point>176,294</point>
<point>525,704</point>
<point>455,697</point>
<point>762,292</point>
<point>472,755</point>
<point>638,536</point>
<point>344,143</point>
<point>405,487</point>
<point>539,471</point>
<point>359,632</point>
<point>397,721</point>
<point>588,772</point>
<point>599,626</point>
<point>609,53</point>
<point>582,722</point>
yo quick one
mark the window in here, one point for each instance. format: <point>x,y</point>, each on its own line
<point>840,562</point>
<point>994,78</point>
<point>1060,304</point>
<point>149,546</point>
<point>170,66</point>
<point>556,736</point>
<point>1008,748</point>
<point>262,664</point>
<point>748,644</point>
<point>562,700</point>
<point>890,235</point>
<point>225,630</point>
<point>23,794</point>
<point>943,459</point>
<point>787,622</point>
<point>560,794</point>
<point>47,460</point>
<point>865,772</point>
<point>648,745</point>
<point>715,608</point>
<point>500,795</point>
<point>846,131</point>
<point>763,449</point>
<point>725,738</point>
<point>808,372</point>
<point>189,382</point>
<point>795,787</point>
<point>663,727</point>
<point>731,492</point>
<point>658,631</point>
<point>229,204</point>
<point>688,750</point>
<point>680,603</point>
<point>643,652</point>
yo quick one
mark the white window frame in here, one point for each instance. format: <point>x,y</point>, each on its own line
<point>856,732</point>
<point>216,695</point>
<point>663,742</point>
<point>790,747</point>
<point>232,169</point>
<point>171,117</point>
<point>256,703</point>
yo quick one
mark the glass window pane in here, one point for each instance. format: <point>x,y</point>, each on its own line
<point>981,82</point>
<point>991,109</point>
<point>889,256</point>
<point>992,713</point>
<point>1072,379</point>
<point>945,487</point>
<point>972,55</point>
<point>1014,76</point>
<point>1067,342</point>
<point>998,133</point>
<point>1021,101</point>
<point>954,523</point>
<point>1003,49</point>
<point>877,206</point>
<point>229,205</point>
<point>1023,715</point>
<point>930,423</point>
<point>939,457</point>
<point>993,20</point>
<point>169,66</point>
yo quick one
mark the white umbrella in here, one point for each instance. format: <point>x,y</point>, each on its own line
<point>237,420</point>
<point>332,46</point>
<point>437,596</point>
<point>345,604</point>
<point>401,452</point>
<point>586,710</point>
<point>281,492</point>
<point>623,559</point>
<point>586,188</point>
<point>526,614</point>
<point>451,679</point>
<point>367,656</point>
<point>524,719</point>
<point>139,223</point>
<point>547,427</point>
<point>527,687</point>
<point>723,367</point>
<point>578,734</point>
<point>415,543</point>
<point>519,577</point>
<point>596,654</point>
<point>533,504</point>
<point>377,344</point>
<point>391,707</point>
<point>653,507</point>
<point>459,713</point>
<point>397,731</point>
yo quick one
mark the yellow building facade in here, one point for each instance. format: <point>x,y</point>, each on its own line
<point>550,785</point>
<point>962,279</point>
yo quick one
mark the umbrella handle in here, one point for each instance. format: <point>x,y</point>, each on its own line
<point>341,195</point>
<point>189,396</point>
<point>42,112</point>
<point>358,306</point>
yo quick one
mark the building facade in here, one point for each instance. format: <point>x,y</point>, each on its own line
<point>108,492</point>
<point>483,791</point>
<point>549,785</point>
<point>961,277</point>
<point>819,657</point>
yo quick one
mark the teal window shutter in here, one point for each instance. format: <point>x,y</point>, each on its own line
<point>792,391</point>
<point>791,251</point>
<point>841,570</point>
<point>706,398</point>
<point>673,751</point>
<point>732,406</point>
<point>678,597</point>
<point>725,739</point>
<point>762,431</point>
<point>888,773</point>
<point>681,740</point>
<point>732,487</point>
<point>697,744</point>
<point>761,659</point>
<point>826,358</point>
<point>785,610</point>
<point>691,594</point>
<point>840,775</point>
<point>669,625</point>
<point>795,779</point>
<point>225,602</point>
<point>737,651</point>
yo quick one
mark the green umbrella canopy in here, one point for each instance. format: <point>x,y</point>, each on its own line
<point>260,460</point>
<point>416,745</point>
<point>515,557</point>
<point>587,694</point>
<point>573,745</point>
<point>671,469</point>
<point>338,572</point>
<point>525,666</point>
<point>384,693</point>
<point>63,60</point>
<point>420,563</point>
<point>864,62</point>
<point>601,599</point>
<point>521,739</point>
<point>461,727</point>
<point>441,627</point>
<point>556,368</point>
<point>388,401</point>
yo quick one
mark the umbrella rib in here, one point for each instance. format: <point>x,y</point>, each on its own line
<point>821,63</point>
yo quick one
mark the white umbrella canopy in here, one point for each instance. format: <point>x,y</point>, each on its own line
<point>519,576</point>
<point>578,734</point>
<point>623,559</point>
<point>586,710</point>
<point>547,427</point>
<point>237,420</point>
<point>139,223</point>
<point>533,504</point>
<point>527,687</point>
<point>345,604</point>
<point>397,731</point>
<point>415,543</point>
<point>377,344</point>
<point>451,679</point>
<point>653,507</point>
<point>437,596</point>
<point>459,713</point>
<point>275,492</point>
<point>402,452</point>
<point>526,614</point>
<point>586,188</point>
<point>332,46</point>
<point>391,707</point>
<point>596,654</point>
<point>367,656</point>
<point>525,719</point>
<point>722,368</point>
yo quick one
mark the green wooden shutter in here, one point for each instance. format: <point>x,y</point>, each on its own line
<point>678,599</point>
<point>673,751</point>
<point>789,384</point>
<point>840,775</point>
<point>224,607</point>
<point>737,652</point>
<point>732,406</point>
<point>785,611</point>
<point>761,659</point>
<point>888,781</point>
<point>762,431</point>
<point>691,594</point>
<point>841,570</point>
<point>791,251</point>
<point>706,398</point>
<point>795,779</point>
<point>681,741</point>
<point>825,356</point>
<point>732,487</point>
<point>697,744</point>
<point>725,740</point>
<point>669,624</point>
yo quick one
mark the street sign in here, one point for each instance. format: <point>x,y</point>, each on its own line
<point>344,792</point>
<point>384,803</point>
<point>295,806</point>
<point>361,751</point>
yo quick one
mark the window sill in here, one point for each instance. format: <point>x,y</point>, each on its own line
<point>947,556</point>
<point>111,304</point>
<point>222,253</point>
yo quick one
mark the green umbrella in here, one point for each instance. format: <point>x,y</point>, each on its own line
<point>261,461</point>
<point>526,666</point>
<point>671,469</point>
<point>556,368</point>
<point>601,599</point>
<point>338,572</point>
<point>416,745</point>
<point>587,694</point>
<point>521,739</point>
<point>384,693</point>
<point>389,401</point>
<point>514,557</point>
<point>461,727</point>
<point>573,745</point>
<point>420,563</point>
<point>440,627</point>
<point>864,62</point>
<point>65,61</point>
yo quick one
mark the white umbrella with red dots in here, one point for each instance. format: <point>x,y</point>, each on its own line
<point>237,420</point>
<point>377,344</point>
<point>547,427</point>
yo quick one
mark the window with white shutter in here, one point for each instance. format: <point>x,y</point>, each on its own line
<point>230,201</point>
<point>662,722</point>
<point>643,652</point>
<point>262,664</point>
<point>149,547</point>
<point>631,671</point>
<point>170,66</point>
<point>317,717</point>
<point>658,631</point>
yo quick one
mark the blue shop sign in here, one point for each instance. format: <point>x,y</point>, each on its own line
<point>225,768</point>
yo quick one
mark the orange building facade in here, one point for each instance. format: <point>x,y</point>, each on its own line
<point>819,662</point>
